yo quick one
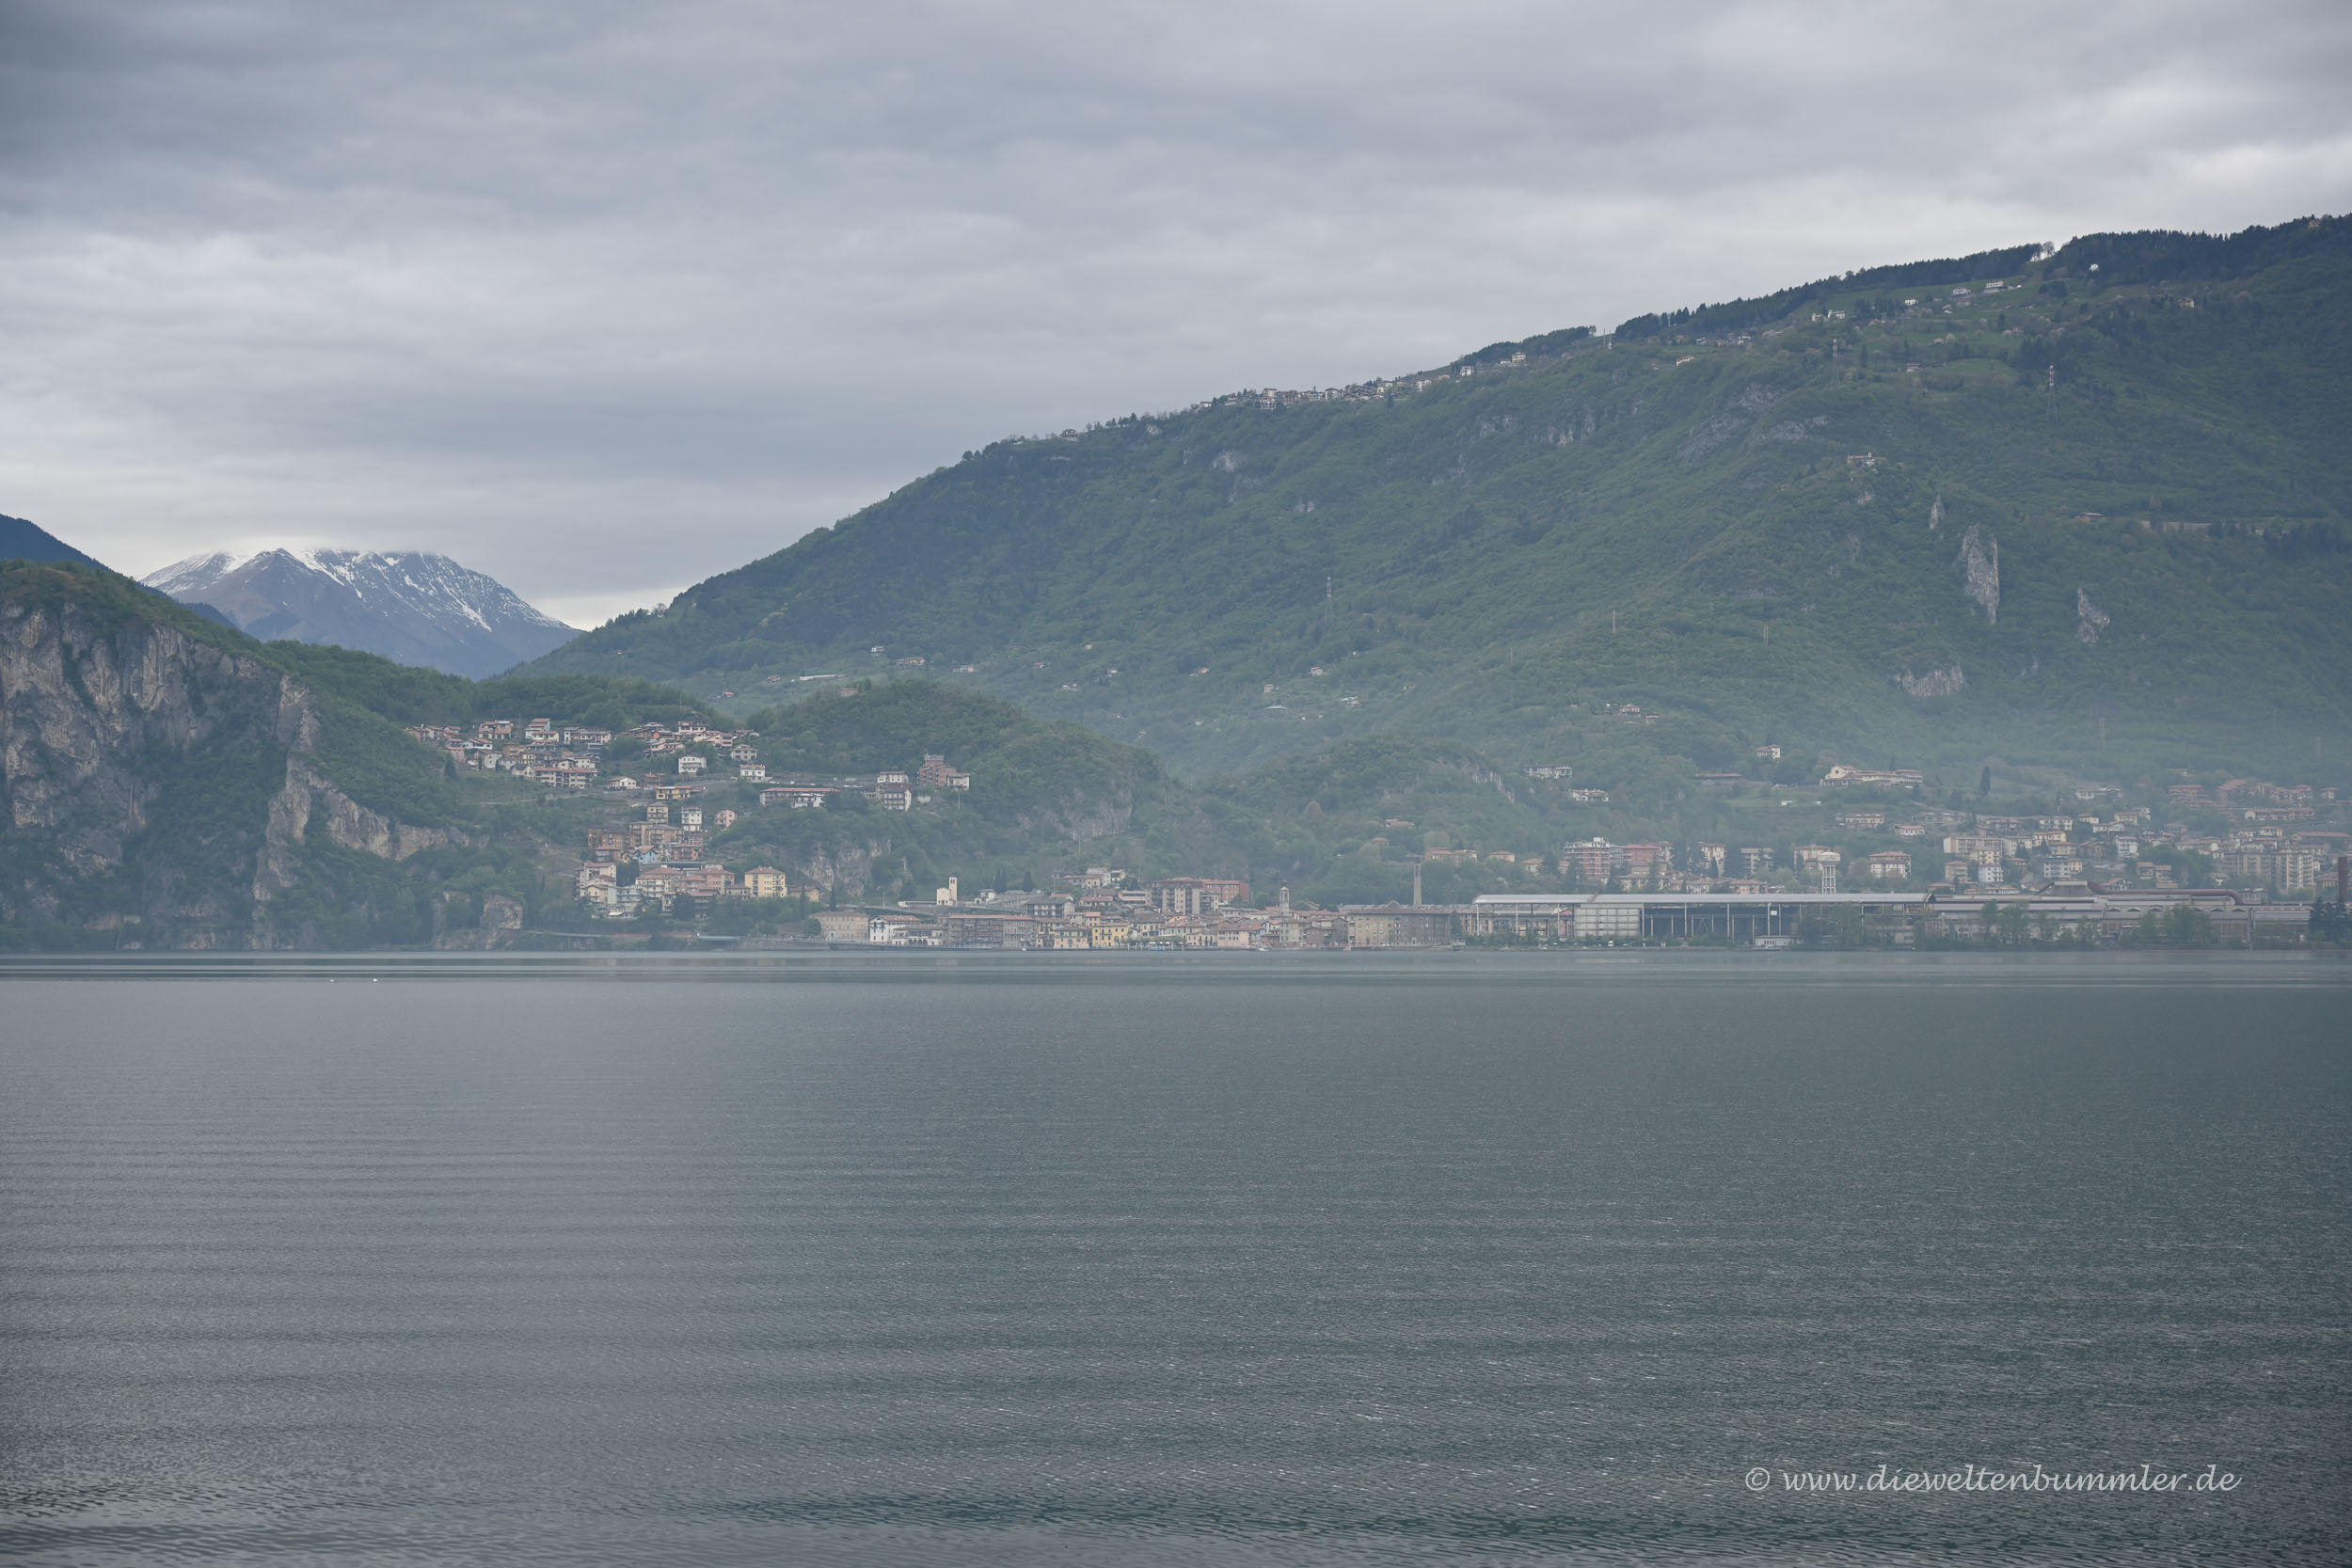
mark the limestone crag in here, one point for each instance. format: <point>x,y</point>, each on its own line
<point>1980,570</point>
<point>1080,818</point>
<point>308,803</point>
<point>158,784</point>
<point>848,871</point>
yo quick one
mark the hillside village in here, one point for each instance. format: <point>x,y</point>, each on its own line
<point>1900,861</point>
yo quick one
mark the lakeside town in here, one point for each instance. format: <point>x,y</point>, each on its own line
<point>2103,872</point>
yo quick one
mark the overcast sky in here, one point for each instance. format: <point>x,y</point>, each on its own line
<point>601,299</point>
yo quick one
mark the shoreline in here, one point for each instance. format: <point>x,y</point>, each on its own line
<point>1404,966</point>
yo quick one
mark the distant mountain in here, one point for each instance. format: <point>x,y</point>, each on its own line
<point>2083,510</point>
<point>412,606</point>
<point>23,541</point>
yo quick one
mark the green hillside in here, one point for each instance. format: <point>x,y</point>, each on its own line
<point>2092,521</point>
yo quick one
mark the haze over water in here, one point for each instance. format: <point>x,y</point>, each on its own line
<point>1524,1259</point>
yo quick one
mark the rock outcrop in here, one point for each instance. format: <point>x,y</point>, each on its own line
<point>154,783</point>
<point>1949,682</point>
<point>1980,570</point>
<point>2089,620</point>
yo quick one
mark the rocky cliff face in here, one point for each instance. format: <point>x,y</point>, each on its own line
<point>157,786</point>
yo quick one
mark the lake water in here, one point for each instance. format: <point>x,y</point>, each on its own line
<point>1468,1259</point>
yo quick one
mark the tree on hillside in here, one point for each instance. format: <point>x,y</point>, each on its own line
<point>2330,922</point>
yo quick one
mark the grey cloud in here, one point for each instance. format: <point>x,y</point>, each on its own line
<point>603,297</point>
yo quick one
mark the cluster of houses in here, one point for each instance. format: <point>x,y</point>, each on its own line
<point>1362,391</point>
<point>889,790</point>
<point>2279,847</point>
<point>663,882</point>
<point>572,756</point>
<point>665,847</point>
<point>561,757</point>
<point>1999,855</point>
<point>2276,846</point>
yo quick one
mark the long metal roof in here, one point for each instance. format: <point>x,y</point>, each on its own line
<point>1537,902</point>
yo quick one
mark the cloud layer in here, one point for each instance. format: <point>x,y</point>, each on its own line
<point>601,299</point>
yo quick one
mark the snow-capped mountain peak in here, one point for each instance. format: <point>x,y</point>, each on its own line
<point>197,570</point>
<point>413,605</point>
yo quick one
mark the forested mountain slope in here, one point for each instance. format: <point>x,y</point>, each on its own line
<point>2093,518</point>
